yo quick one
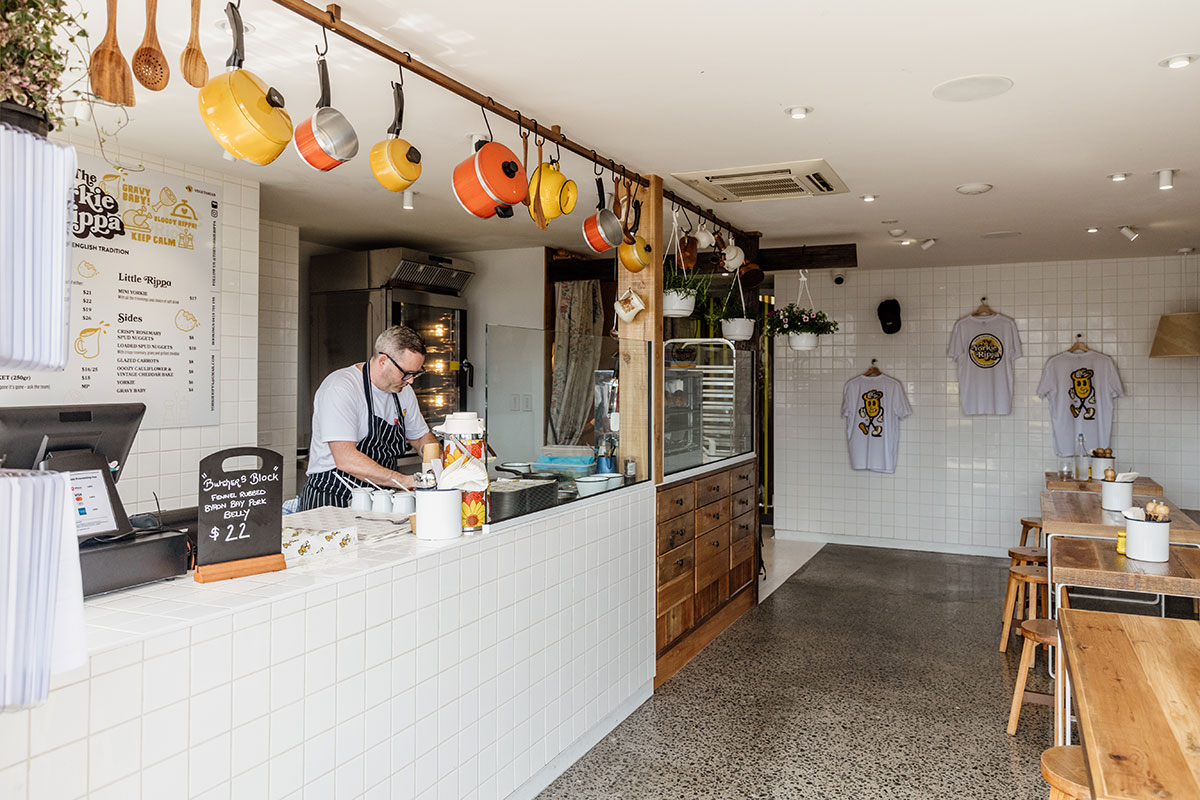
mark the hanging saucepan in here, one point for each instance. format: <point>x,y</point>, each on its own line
<point>751,275</point>
<point>327,138</point>
<point>602,230</point>
<point>635,257</point>
<point>396,163</point>
<point>558,194</point>
<point>490,182</point>
<point>243,114</point>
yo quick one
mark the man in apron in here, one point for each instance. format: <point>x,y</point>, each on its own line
<point>364,416</point>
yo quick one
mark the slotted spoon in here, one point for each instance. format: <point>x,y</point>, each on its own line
<point>191,60</point>
<point>149,64</point>
<point>107,69</point>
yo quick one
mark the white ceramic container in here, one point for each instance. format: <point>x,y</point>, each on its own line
<point>1147,540</point>
<point>439,513</point>
<point>1116,496</point>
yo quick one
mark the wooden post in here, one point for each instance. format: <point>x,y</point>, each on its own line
<point>641,399</point>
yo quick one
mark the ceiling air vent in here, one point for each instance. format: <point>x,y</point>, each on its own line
<point>766,182</point>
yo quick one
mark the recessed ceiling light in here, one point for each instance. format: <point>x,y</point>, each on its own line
<point>1166,179</point>
<point>972,87</point>
<point>798,112</point>
<point>928,243</point>
<point>973,188</point>
<point>1129,233</point>
<point>1177,62</point>
<point>894,232</point>
<point>906,241</point>
<point>1000,235</point>
<point>223,25</point>
<point>1118,176</point>
<point>1186,251</point>
<point>868,198</point>
<point>1093,229</point>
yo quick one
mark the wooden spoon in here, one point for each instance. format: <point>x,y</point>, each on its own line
<point>191,61</point>
<point>149,63</point>
<point>107,69</point>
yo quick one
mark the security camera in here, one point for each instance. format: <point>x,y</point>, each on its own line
<point>839,278</point>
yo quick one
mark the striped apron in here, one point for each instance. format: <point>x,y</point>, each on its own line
<point>384,443</point>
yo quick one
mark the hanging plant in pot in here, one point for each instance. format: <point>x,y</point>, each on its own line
<point>34,40</point>
<point>680,289</point>
<point>802,325</point>
<point>736,325</point>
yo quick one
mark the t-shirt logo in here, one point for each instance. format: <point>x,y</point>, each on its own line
<point>872,412</point>
<point>1083,393</point>
<point>986,351</point>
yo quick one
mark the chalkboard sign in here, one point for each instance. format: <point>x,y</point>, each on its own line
<point>241,510</point>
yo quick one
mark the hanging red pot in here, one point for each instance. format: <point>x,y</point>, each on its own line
<point>490,182</point>
<point>326,139</point>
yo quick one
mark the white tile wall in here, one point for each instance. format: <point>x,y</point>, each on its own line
<point>166,461</point>
<point>461,673</point>
<point>278,322</point>
<point>963,483</point>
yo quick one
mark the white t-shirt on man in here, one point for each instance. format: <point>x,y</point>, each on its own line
<point>1080,388</point>
<point>340,414</point>
<point>873,407</point>
<point>984,348</point>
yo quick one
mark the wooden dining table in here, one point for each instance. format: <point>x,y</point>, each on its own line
<point>1141,485</point>
<point>1080,514</point>
<point>1135,682</point>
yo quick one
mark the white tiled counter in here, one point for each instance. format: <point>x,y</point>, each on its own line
<point>478,668</point>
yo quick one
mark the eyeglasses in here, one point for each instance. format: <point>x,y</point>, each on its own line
<point>405,375</point>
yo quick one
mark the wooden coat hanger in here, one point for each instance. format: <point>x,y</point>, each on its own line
<point>984,309</point>
<point>1079,346</point>
<point>872,371</point>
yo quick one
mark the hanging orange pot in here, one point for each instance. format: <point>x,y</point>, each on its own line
<point>490,182</point>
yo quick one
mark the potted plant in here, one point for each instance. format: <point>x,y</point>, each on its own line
<point>32,62</point>
<point>801,325</point>
<point>736,325</point>
<point>681,288</point>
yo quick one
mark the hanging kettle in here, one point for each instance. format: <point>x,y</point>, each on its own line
<point>558,194</point>
<point>635,255</point>
<point>243,114</point>
<point>490,182</point>
<point>395,163</point>
<point>326,139</point>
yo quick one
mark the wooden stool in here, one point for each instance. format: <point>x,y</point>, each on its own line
<point>1031,524</point>
<point>1035,632</point>
<point>1063,769</point>
<point>1025,555</point>
<point>1018,575</point>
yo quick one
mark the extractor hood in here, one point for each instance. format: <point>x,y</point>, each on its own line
<point>1178,335</point>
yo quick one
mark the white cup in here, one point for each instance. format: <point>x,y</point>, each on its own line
<point>381,501</point>
<point>704,238</point>
<point>360,498</point>
<point>403,503</point>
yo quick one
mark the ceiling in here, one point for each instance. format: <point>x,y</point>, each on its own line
<point>673,87</point>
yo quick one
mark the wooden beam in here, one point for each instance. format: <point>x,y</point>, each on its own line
<point>819,256</point>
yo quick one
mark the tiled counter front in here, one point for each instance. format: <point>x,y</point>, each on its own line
<point>407,670</point>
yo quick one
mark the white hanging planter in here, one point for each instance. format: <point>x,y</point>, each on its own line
<point>802,341</point>
<point>737,330</point>
<point>678,305</point>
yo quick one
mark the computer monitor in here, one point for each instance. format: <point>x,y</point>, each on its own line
<point>83,441</point>
<point>31,434</point>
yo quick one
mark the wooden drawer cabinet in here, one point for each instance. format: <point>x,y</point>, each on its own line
<point>676,500</point>
<point>706,549</point>
<point>675,532</point>
<point>712,515</point>
<point>743,476</point>
<point>711,487</point>
<point>745,501</point>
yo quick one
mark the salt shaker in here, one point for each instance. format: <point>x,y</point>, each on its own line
<point>630,467</point>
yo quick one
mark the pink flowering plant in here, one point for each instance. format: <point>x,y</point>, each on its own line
<point>793,319</point>
<point>34,39</point>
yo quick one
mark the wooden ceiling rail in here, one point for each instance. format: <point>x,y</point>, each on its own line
<point>331,19</point>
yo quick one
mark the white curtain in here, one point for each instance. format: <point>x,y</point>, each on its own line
<point>578,326</point>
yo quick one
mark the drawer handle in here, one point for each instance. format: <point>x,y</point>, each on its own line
<point>678,532</point>
<point>716,543</point>
<point>679,501</point>
<point>717,515</point>
<point>680,562</point>
<point>743,502</point>
<point>714,488</point>
<point>744,476</point>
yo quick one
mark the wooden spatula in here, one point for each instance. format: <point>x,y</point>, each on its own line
<point>107,69</point>
<point>149,64</point>
<point>191,61</point>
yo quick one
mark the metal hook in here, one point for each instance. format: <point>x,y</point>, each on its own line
<point>982,301</point>
<point>325,36</point>
<point>483,111</point>
<point>557,152</point>
<point>686,219</point>
<point>596,168</point>
<point>538,139</point>
<point>873,362</point>
<point>400,69</point>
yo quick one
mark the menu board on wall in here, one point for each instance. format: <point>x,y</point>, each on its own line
<point>145,299</point>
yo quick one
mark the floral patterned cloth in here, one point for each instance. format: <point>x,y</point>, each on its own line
<point>578,326</point>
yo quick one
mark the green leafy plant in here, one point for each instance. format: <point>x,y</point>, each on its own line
<point>688,283</point>
<point>729,307</point>
<point>35,36</point>
<point>793,319</point>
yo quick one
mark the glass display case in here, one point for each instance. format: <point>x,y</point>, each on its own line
<point>708,402</point>
<point>564,419</point>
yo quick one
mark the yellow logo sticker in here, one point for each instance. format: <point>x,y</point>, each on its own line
<point>986,351</point>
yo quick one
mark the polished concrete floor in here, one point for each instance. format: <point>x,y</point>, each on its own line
<point>869,675</point>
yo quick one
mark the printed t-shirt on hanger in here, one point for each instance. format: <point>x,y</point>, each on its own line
<point>1080,388</point>
<point>984,348</point>
<point>873,407</point>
